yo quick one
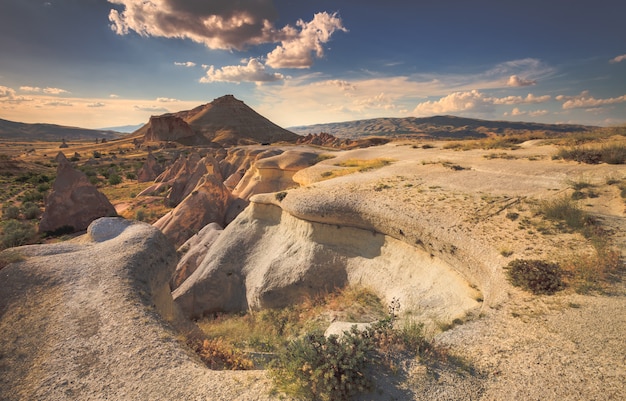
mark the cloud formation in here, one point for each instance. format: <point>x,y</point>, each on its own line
<point>515,81</point>
<point>585,101</point>
<point>166,100</point>
<point>516,112</point>
<point>473,101</point>
<point>295,51</point>
<point>151,109</point>
<point>187,64</point>
<point>54,91</point>
<point>96,105</point>
<point>254,71</point>
<point>8,95</point>
<point>227,25</point>
<point>618,59</point>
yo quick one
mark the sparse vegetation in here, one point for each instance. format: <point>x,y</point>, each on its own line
<point>356,165</point>
<point>9,256</point>
<point>536,276</point>
<point>594,154</point>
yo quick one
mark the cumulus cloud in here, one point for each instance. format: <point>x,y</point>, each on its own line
<point>30,89</point>
<point>533,113</point>
<point>227,25</point>
<point>7,95</point>
<point>585,101</point>
<point>295,51</point>
<point>113,96</point>
<point>96,105</point>
<point>618,59</point>
<point>166,100</point>
<point>473,101</point>
<point>515,80</point>
<point>188,64</point>
<point>254,71</point>
<point>54,91</point>
<point>151,109</point>
<point>341,84</point>
<point>58,104</point>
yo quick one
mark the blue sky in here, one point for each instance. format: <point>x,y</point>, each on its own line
<point>102,63</point>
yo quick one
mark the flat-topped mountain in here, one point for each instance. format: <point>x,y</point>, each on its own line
<point>15,131</point>
<point>226,121</point>
<point>436,127</point>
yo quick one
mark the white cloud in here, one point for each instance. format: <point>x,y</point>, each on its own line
<point>166,100</point>
<point>96,105</point>
<point>227,25</point>
<point>516,112</point>
<point>30,89</point>
<point>254,71</point>
<point>8,96</point>
<point>515,80</point>
<point>188,64</point>
<point>618,59</point>
<point>584,100</point>
<point>114,96</point>
<point>151,109</point>
<point>54,91</point>
<point>295,51</point>
<point>6,93</point>
<point>58,104</point>
<point>473,100</point>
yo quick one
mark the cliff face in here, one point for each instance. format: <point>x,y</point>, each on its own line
<point>167,128</point>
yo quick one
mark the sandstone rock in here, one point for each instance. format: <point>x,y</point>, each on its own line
<point>273,174</point>
<point>73,202</point>
<point>268,258</point>
<point>167,128</point>
<point>101,325</point>
<point>150,170</point>
<point>193,251</point>
<point>207,203</point>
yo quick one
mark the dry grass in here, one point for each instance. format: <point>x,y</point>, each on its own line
<point>356,165</point>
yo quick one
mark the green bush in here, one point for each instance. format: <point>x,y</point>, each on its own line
<point>114,179</point>
<point>536,276</point>
<point>325,368</point>
<point>31,211</point>
<point>16,233</point>
<point>10,212</point>
<point>565,210</point>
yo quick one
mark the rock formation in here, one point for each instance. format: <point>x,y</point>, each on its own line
<point>93,318</point>
<point>73,202</point>
<point>193,251</point>
<point>225,121</point>
<point>150,170</point>
<point>167,128</point>
<point>207,203</point>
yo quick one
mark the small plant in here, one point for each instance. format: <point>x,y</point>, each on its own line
<point>280,196</point>
<point>218,354</point>
<point>536,276</point>
<point>10,212</point>
<point>31,211</point>
<point>565,210</point>
<point>16,233</point>
<point>114,179</point>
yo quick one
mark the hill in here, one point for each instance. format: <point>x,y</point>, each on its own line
<point>226,121</point>
<point>435,127</point>
<point>15,131</point>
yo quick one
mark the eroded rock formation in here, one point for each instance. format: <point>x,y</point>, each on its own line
<point>73,202</point>
<point>150,170</point>
<point>167,128</point>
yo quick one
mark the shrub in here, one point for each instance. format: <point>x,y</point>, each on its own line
<point>8,257</point>
<point>564,209</point>
<point>16,233</point>
<point>536,276</point>
<point>218,354</point>
<point>31,211</point>
<point>10,212</point>
<point>317,367</point>
<point>140,215</point>
<point>280,196</point>
<point>114,179</point>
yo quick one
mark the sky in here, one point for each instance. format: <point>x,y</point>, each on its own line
<point>107,63</point>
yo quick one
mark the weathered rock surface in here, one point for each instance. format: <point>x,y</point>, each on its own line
<point>268,258</point>
<point>150,170</point>
<point>167,128</point>
<point>207,203</point>
<point>193,251</point>
<point>273,174</point>
<point>73,202</point>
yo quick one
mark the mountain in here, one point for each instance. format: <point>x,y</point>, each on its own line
<point>15,131</point>
<point>226,121</point>
<point>437,127</point>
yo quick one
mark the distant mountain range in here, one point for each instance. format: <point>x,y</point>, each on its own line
<point>436,127</point>
<point>15,131</point>
<point>229,121</point>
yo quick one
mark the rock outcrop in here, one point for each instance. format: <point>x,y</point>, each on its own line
<point>73,202</point>
<point>193,251</point>
<point>167,128</point>
<point>150,170</point>
<point>268,257</point>
<point>207,203</point>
